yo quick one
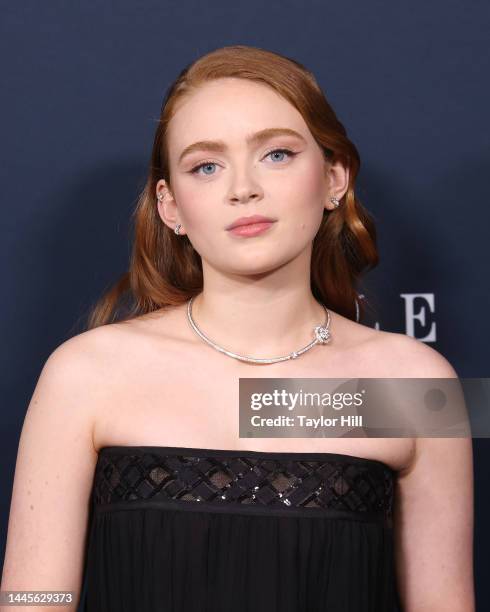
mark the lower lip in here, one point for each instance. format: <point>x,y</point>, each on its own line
<point>253,229</point>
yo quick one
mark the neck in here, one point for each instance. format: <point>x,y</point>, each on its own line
<point>253,322</point>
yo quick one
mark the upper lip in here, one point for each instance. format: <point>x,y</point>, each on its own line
<point>249,220</point>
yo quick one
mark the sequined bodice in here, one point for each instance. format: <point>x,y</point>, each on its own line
<point>230,479</point>
<point>212,529</point>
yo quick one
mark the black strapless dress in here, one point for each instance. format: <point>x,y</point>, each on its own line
<point>177,529</point>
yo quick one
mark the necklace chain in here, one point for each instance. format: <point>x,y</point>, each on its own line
<point>322,336</point>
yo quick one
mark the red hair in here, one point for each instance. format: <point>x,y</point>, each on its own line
<point>165,270</point>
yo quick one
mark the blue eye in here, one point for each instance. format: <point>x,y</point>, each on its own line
<point>203,165</point>
<point>212,165</point>
<point>281,152</point>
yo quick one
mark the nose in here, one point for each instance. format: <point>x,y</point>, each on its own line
<point>244,188</point>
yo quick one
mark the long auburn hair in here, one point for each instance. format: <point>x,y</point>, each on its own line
<point>165,270</point>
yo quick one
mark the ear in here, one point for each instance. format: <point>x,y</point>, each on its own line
<point>337,181</point>
<point>167,206</point>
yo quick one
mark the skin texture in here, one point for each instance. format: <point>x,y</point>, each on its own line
<point>153,381</point>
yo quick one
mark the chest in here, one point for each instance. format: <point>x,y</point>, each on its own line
<point>193,401</point>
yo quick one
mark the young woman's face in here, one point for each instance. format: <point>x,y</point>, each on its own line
<point>281,175</point>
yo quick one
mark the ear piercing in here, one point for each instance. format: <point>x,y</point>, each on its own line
<point>179,225</point>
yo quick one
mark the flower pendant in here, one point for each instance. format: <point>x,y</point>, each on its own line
<point>322,334</point>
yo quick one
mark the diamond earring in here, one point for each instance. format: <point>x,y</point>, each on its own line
<point>335,201</point>
<point>178,226</point>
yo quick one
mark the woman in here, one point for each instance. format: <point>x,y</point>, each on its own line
<point>184,514</point>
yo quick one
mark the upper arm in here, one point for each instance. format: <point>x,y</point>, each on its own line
<point>433,514</point>
<point>53,477</point>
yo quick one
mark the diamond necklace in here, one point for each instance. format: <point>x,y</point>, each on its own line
<point>322,336</point>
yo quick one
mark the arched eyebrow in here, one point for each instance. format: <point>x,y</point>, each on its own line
<point>257,138</point>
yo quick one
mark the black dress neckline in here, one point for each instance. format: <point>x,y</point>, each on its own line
<point>238,529</point>
<point>221,452</point>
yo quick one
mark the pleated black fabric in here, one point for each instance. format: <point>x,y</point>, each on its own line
<point>204,530</point>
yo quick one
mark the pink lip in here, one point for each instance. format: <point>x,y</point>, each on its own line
<point>251,229</point>
<point>249,220</point>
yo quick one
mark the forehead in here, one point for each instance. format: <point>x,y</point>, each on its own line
<point>230,109</point>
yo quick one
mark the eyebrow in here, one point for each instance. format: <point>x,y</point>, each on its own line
<point>254,139</point>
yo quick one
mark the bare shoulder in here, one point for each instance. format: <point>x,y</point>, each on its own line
<point>107,343</point>
<point>109,358</point>
<point>56,452</point>
<point>78,361</point>
<point>389,354</point>
<point>406,357</point>
<point>75,361</point>
<point>434,557</point>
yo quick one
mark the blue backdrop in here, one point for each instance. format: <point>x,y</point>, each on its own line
<point>82,88</point>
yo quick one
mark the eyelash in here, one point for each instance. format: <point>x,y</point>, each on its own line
<point>205,163</point>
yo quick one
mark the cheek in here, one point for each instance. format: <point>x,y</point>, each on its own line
<point>195,203</point>
<point>305,181</point>
<point>304,197</point>
<point>313,184</point>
